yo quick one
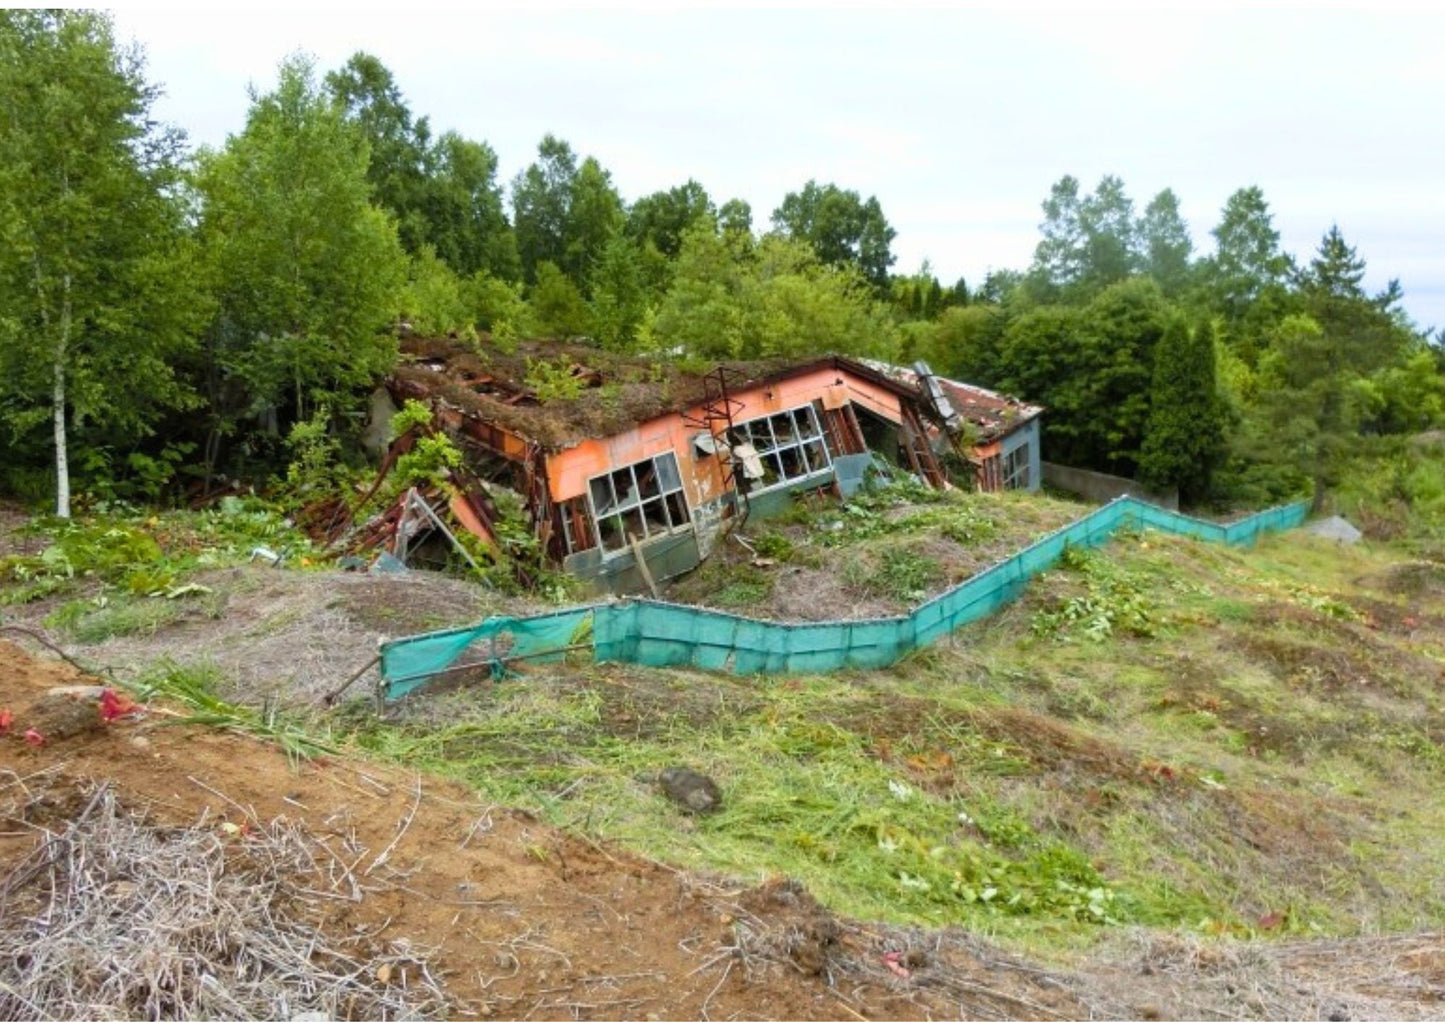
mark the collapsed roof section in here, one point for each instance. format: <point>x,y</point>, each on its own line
<point>631,468</point>
<point>990,413</point>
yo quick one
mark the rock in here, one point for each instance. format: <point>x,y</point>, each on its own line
<point>59,716</point>
<point>141,743</point>
<point>691,790</point>
<point>1335,528</point>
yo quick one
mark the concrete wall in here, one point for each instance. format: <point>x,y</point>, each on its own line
<point>1102,487</point>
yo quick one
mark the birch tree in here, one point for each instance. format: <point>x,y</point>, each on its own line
<point>94,299</point>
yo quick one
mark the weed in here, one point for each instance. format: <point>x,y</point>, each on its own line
<point>900,574</point>
<point>1113,601</point>
<point>553,381</point>
<point>774,545</point>
<point>95,621</point>
<point>193,686</point>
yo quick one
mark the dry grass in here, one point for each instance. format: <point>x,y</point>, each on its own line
<point>289,636</point>
<point>1184,976</point>
<point>111,916</point>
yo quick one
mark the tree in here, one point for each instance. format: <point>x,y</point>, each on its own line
<point>662,217</point>
<point>1088,240</point>
<point>435,301</point>
<point>1247,261</point>
<point>563,212</point>
<point>735,217</point>
<point>1091,366</point>
<point>1307,403</point>
<point>1361,330</point>
<point>443,193</point>
<point>558,308</point>
<point>1110,247</point>
<point>917,296</point>
<point>702,312</point>
<point>842,228</point>
<point>618,298</point>
<point>1060,253</point>
<point>594,216</point>
<point>966,344</point>
<point>730,299</point>
<point>462,205</point>
<point>1164,239</point>
<point>541,205</point>
<point>97,292</point>
<point>373,102</point>
<point>1184,438</point>
<point>309,272</point>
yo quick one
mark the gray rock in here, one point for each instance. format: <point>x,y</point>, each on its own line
<point>1335,528</point>
<point>691,790</point>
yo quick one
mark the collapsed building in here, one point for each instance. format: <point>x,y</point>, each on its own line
<point>632,468</point>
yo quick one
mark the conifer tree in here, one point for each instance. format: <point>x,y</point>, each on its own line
<point>1184,438</point>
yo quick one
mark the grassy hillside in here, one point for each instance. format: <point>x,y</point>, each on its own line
<point>1162,732</point>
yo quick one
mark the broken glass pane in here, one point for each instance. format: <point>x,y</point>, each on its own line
<point>655,514</point>
<point>647,480</point>
<point>611,530</point>
<point>791,459</point>
<point>677,510</point>
<point>602,498</point>
<point>625,486</point>
<point>632,524</point>
<point>816,455</point>
<point>667,472</point>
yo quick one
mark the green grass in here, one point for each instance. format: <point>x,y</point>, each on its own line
<point>193,687</point>
<point>1223,770</point>
<point>134,554</point>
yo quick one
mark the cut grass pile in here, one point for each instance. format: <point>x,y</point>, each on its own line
<point>1162,732</point>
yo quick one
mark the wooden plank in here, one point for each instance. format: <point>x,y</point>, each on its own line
<point>642,568</point>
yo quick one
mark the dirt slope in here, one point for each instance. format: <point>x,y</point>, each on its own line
<point>527,922</point>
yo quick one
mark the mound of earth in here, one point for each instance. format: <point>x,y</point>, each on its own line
<point>512,918</point>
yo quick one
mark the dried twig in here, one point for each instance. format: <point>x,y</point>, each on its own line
<point>400,833</point>
<point>125,919</point>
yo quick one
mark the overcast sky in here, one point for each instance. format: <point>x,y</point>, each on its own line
<point>958,121</point>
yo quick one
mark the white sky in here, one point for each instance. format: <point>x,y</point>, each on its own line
<point>958,120</point>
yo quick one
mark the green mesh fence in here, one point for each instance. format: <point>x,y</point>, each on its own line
<point>661,634</point>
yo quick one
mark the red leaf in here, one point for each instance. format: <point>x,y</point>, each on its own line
<point>891,959</point>
<point>113,706</point>
<point>6,719</point>
<point>34,737</point>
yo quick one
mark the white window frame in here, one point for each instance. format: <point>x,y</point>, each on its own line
<point>663,511</point>
<point>804,430</point>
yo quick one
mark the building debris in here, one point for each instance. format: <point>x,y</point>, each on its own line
<point>633,476</point>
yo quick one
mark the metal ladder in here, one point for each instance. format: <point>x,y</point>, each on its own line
<point>716,417</point>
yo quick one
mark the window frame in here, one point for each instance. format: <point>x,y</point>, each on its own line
<point>778,454</point>
<point>1017,468</point>
<point>654,503</point>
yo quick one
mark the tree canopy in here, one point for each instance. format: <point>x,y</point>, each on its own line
<point>99,301</point>
<point>163,314</point>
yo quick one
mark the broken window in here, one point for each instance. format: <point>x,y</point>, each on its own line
<point>640,501</point>
<point>791,445</point>
<point>1016,468</point>
<point>577,524</point>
